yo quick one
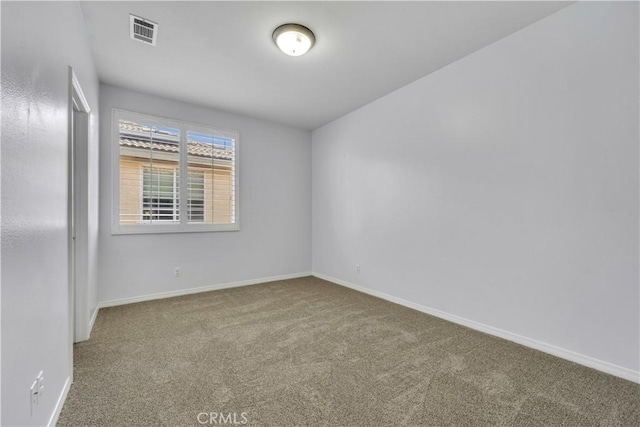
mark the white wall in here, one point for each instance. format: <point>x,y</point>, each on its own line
<point>502,188</point>
<point>275,210</point>
<point>35,96</point>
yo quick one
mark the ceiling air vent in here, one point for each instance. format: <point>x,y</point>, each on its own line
<point>143,30</point>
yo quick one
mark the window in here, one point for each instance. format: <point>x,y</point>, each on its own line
<point>151,155</point>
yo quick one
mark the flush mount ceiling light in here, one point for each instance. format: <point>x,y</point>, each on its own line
<point>293,39</point>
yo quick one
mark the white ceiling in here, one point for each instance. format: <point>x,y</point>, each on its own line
<point>220,54</point>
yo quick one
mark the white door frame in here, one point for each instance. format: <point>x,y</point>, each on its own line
<point>78,131</point>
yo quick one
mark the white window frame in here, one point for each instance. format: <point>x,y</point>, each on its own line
<point>184,226</point>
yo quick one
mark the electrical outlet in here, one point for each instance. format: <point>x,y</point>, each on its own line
<point>35,392</point>
<point>33,396</point>
<point>357,268</point>
<point>176,272</point>
<point>40,381</point>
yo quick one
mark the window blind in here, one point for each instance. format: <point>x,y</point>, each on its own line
<point>149,172</point>
<point>211,186</point>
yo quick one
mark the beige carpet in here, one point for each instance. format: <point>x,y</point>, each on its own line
<point>308,352</point>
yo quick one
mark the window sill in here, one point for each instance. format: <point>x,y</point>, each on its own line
<point>164,228</point>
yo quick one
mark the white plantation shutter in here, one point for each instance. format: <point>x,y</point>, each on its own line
<point>151,155</point>
<point>149,160</point>
<point>211,186</point>
<point>196,197</point>
<point>160,194</point>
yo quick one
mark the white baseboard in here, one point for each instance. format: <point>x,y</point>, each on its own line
<point>93,320</point>
<point>60,403</point>
<point>600,365</point>
<point>170,294</point>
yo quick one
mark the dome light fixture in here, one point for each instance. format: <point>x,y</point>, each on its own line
<point>293,39</point>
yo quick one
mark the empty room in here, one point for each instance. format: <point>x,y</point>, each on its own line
<point>361,214</point>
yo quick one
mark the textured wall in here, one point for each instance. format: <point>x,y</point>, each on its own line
<point>35,97</point>
<point>502,188</point>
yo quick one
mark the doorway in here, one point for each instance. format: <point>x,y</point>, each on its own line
<point>77,214</point>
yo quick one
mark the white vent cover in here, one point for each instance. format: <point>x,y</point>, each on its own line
<point>143,30</point>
